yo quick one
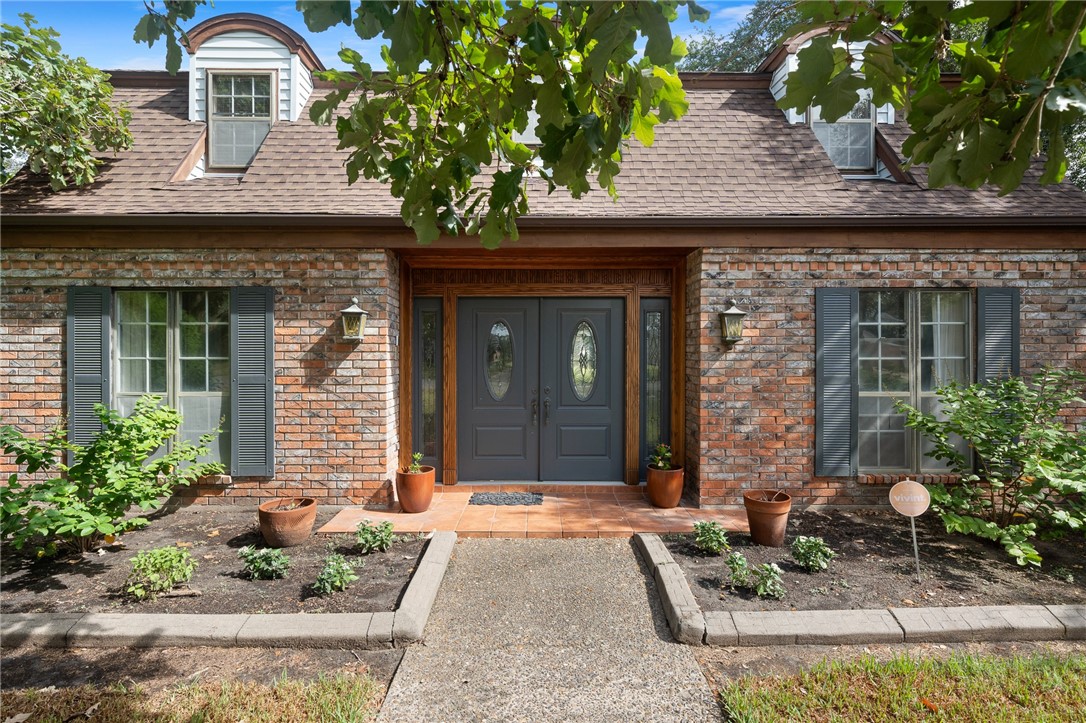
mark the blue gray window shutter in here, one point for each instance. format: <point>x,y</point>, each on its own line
<point>997,332</point>
<point>252,374</point>
<point>836,382</point>
<point>88,357</point>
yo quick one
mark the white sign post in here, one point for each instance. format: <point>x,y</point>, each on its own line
<point>911,499</point>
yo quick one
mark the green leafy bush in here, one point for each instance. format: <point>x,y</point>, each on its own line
<point>88,499</point>
<point>268,563</point>
<point>157,571</point>
<point>1030,467</point>
<point>373,538</point>
<point>336,575</point>
<point>764,580</point>
<point>812,553</point>
<point>711,537</point>
<point>767,581</point>
<point>660,457</point>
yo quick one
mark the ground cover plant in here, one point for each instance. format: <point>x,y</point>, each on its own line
<point>82,503</point>
<point>1030,466</point>
<point>873,567</point>
<point>711,537</point>
<point>962,688</point>
<point>213,535</point>
<point>372,537</point>
<point>811,553</point>
<point>267,563</point>
<point>337,573</point>
<point>336,697</point>
<point>764,580</point>
<point>158,571</point>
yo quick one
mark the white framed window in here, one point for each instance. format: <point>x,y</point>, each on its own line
<point>849,141</point>
<point>240,114</point>
<point>911,342</point>
<point>176,344</point>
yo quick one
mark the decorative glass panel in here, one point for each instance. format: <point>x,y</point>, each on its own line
<point>582,361</point>
<point>499,360</point>
<point>428,382</point>
<point>654,393</point>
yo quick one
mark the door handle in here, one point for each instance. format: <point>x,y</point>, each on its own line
<point>546,412</point>
<point>535,411</point>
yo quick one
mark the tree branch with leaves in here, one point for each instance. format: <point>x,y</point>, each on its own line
<point>445,124</point>
<point>56,112</point>
<point>1023,80</point>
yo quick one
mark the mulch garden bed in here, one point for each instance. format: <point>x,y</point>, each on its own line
<point>875,568</point>
<point>93,582</point>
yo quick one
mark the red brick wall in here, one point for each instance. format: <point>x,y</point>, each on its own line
<point>753,405</point>
<point>336,402</point>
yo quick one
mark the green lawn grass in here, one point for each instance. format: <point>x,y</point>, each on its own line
<point>962,688</point>
<point>335,698</point>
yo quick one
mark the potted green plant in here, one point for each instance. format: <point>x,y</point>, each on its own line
<point>664,483</point>
<point>415,485</point>
<point>767,515</point>
<point>287,521</point>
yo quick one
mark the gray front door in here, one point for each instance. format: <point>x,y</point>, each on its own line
<point>540,392</point>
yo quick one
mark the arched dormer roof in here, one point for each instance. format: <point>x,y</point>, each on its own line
<point>792,45</point>
<point>234,22</point>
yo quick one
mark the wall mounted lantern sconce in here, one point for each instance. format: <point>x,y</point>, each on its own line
<point>354,321</point>
<point>731,325</point>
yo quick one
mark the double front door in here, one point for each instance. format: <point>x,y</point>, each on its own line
<point>540,389</point>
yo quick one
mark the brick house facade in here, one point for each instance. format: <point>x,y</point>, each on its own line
<point>734,202</point>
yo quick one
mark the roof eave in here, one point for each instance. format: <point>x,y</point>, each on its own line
<point>797,221</point>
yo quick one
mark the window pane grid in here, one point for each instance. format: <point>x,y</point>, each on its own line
<point>241,116</point>
<point>176,344</point>
<point>141,331</point>
<point>910,343</point>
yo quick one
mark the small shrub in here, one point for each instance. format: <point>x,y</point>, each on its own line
<point>157,571</point>
<point>336,575</point>
<point>660,457</point>
<point>711,537</point>
<point>88,500</point>
<point>812,553</point>
<point>739,573</point>
<point>767,581</point>
<point>264,564</point>
<point>416,463</point>
<point>764,580</point>
<point>1030,466</point>
<point>373,538</point>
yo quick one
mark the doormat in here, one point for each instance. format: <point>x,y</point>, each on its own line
<point>506,498</point>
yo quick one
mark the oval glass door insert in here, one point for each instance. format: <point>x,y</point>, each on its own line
<point>582,361</point>
<point>499,360</point>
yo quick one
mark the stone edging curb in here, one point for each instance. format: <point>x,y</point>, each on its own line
<point>318,630</point>
<point>850,627</point>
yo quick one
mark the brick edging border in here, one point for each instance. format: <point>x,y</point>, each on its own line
<point>309,630</point>
<point>850,627</point>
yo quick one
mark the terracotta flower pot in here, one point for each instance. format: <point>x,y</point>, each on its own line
<point>664,486</point>
<point>767,514</point>
<point>415,490</point>
<point>288,521</point>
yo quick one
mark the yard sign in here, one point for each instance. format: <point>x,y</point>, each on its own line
<point>911,499</point>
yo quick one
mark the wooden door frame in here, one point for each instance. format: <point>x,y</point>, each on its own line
<point>626,274</point>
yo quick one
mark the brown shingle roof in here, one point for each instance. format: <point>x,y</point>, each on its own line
<point>732,157</point>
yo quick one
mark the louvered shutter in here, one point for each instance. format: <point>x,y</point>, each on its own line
<point>252,391</point>
<point>88,360</point>
<point>836,383</point>
<point>997,333</point>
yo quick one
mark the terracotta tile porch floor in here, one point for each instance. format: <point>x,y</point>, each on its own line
<point>567,511</point>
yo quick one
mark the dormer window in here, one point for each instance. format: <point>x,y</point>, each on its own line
<point>849,141</point>
<point>241,115</point>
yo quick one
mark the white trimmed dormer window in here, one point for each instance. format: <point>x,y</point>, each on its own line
<point>241,106</point>
<point>850,140</point>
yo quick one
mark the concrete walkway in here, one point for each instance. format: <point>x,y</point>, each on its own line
<point>548,630</point>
